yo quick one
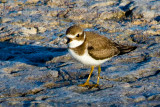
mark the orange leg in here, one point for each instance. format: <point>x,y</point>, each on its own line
<point>87,81</point>
<point>96,85</point>
<point>99,71</point>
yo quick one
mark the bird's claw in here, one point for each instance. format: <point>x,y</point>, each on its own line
<point>90,86</point>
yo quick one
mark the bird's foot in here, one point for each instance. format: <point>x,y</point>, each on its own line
<point>86,84</point>
<point>90,86</point>
<point>93,86</point>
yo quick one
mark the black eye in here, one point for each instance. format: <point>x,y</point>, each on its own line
<point>77,35</point>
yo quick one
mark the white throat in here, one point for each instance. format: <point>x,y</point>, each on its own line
<point>76,43</point>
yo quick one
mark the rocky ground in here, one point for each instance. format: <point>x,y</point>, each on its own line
<point>36,69</point>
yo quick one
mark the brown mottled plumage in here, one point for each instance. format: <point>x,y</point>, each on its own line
<point>100,47</point>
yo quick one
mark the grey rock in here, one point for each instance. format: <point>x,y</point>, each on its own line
<point>139,99</point>
<point>154,97</point>
<point>112,14</point>
<point>27,31</point>
<point>37,70</point>
<point>54,73</point>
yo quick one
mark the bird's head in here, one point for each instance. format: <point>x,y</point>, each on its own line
<point>75,36</point>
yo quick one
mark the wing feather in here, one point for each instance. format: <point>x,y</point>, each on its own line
<point>100,47</point>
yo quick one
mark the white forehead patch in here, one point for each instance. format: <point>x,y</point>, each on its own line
<point>73,36</point>
<point>70,36</point>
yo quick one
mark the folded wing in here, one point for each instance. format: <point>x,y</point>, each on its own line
<point>100,47</point>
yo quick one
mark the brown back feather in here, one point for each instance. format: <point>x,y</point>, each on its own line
<point>100,47</point>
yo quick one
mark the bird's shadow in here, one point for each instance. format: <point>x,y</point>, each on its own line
<point>29,54</point>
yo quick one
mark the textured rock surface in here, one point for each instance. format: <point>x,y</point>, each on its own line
<point>36,69</point>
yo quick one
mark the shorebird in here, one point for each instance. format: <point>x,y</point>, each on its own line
<point>92,49</point>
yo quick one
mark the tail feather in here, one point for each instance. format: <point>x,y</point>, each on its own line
<point>125,49</point>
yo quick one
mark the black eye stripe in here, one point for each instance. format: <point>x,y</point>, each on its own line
<point>77,35</point>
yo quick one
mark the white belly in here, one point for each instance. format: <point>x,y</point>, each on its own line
<point>87,59</point>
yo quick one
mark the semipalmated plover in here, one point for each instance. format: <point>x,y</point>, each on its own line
<point>92,49</point>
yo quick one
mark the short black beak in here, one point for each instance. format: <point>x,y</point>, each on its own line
<point>68,40</point>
